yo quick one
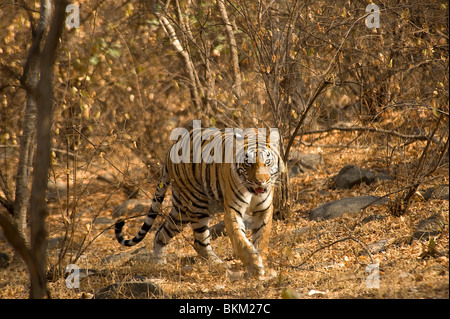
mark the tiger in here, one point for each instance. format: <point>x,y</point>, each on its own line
<point>233,169</point>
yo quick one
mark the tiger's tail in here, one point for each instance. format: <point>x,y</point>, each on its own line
<point>160,192</point>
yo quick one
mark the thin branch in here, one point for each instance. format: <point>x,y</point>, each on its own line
<point>7,204</point>
<point>333,243</point>
<point>233,46</point>
<point>319,90</point>
<point>111,163</point>
<point>41,28</point>
<point>369,129</point>
<point>190,69</point>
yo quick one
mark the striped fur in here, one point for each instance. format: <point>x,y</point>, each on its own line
<point>242,185</point>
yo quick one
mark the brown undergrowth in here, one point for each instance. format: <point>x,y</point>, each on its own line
<point>307,259</point>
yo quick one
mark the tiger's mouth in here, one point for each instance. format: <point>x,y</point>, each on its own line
<point>258,190</point>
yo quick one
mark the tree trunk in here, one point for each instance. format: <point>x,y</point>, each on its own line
<point>44,94</point>
<point>27,144</point>
<point>29,80</point>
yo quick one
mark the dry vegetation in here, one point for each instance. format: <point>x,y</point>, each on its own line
<point>121,86</point>
<point>339,271</point>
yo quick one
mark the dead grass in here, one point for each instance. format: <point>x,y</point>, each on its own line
<point>311,259</point>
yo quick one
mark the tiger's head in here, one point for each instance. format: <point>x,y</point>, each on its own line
<point>260,169</point>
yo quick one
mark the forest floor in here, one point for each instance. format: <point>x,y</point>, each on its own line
<point>306,259</point>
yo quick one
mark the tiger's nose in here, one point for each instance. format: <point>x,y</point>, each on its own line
<point>261,182</point>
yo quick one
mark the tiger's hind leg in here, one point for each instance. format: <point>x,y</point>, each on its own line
<point>172,226</point>
<point>202,238</point>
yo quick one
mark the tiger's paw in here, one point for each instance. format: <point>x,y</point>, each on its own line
<point>159,255</point>
<point>261,274</point>
<point>255,271</point>
<point>211,257</point>
<point>207,254</point>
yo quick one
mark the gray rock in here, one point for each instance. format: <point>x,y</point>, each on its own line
<point>295,170</point>
<point>86,272</point>
<point>428,193</point>
<point>114,258</point>
<point>349,205</point>
<point>429,227</point>
<point>352,175</point>
<point>377,246</point>
<point>383,177</point>
<point>440,192</point>
<point>300,163</point>
<point>372,218</point>
<point>129,290</point>
<point>311,161</point>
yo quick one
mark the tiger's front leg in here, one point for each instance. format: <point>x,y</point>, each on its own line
<point>261,226</point>
<point>244,249</point>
